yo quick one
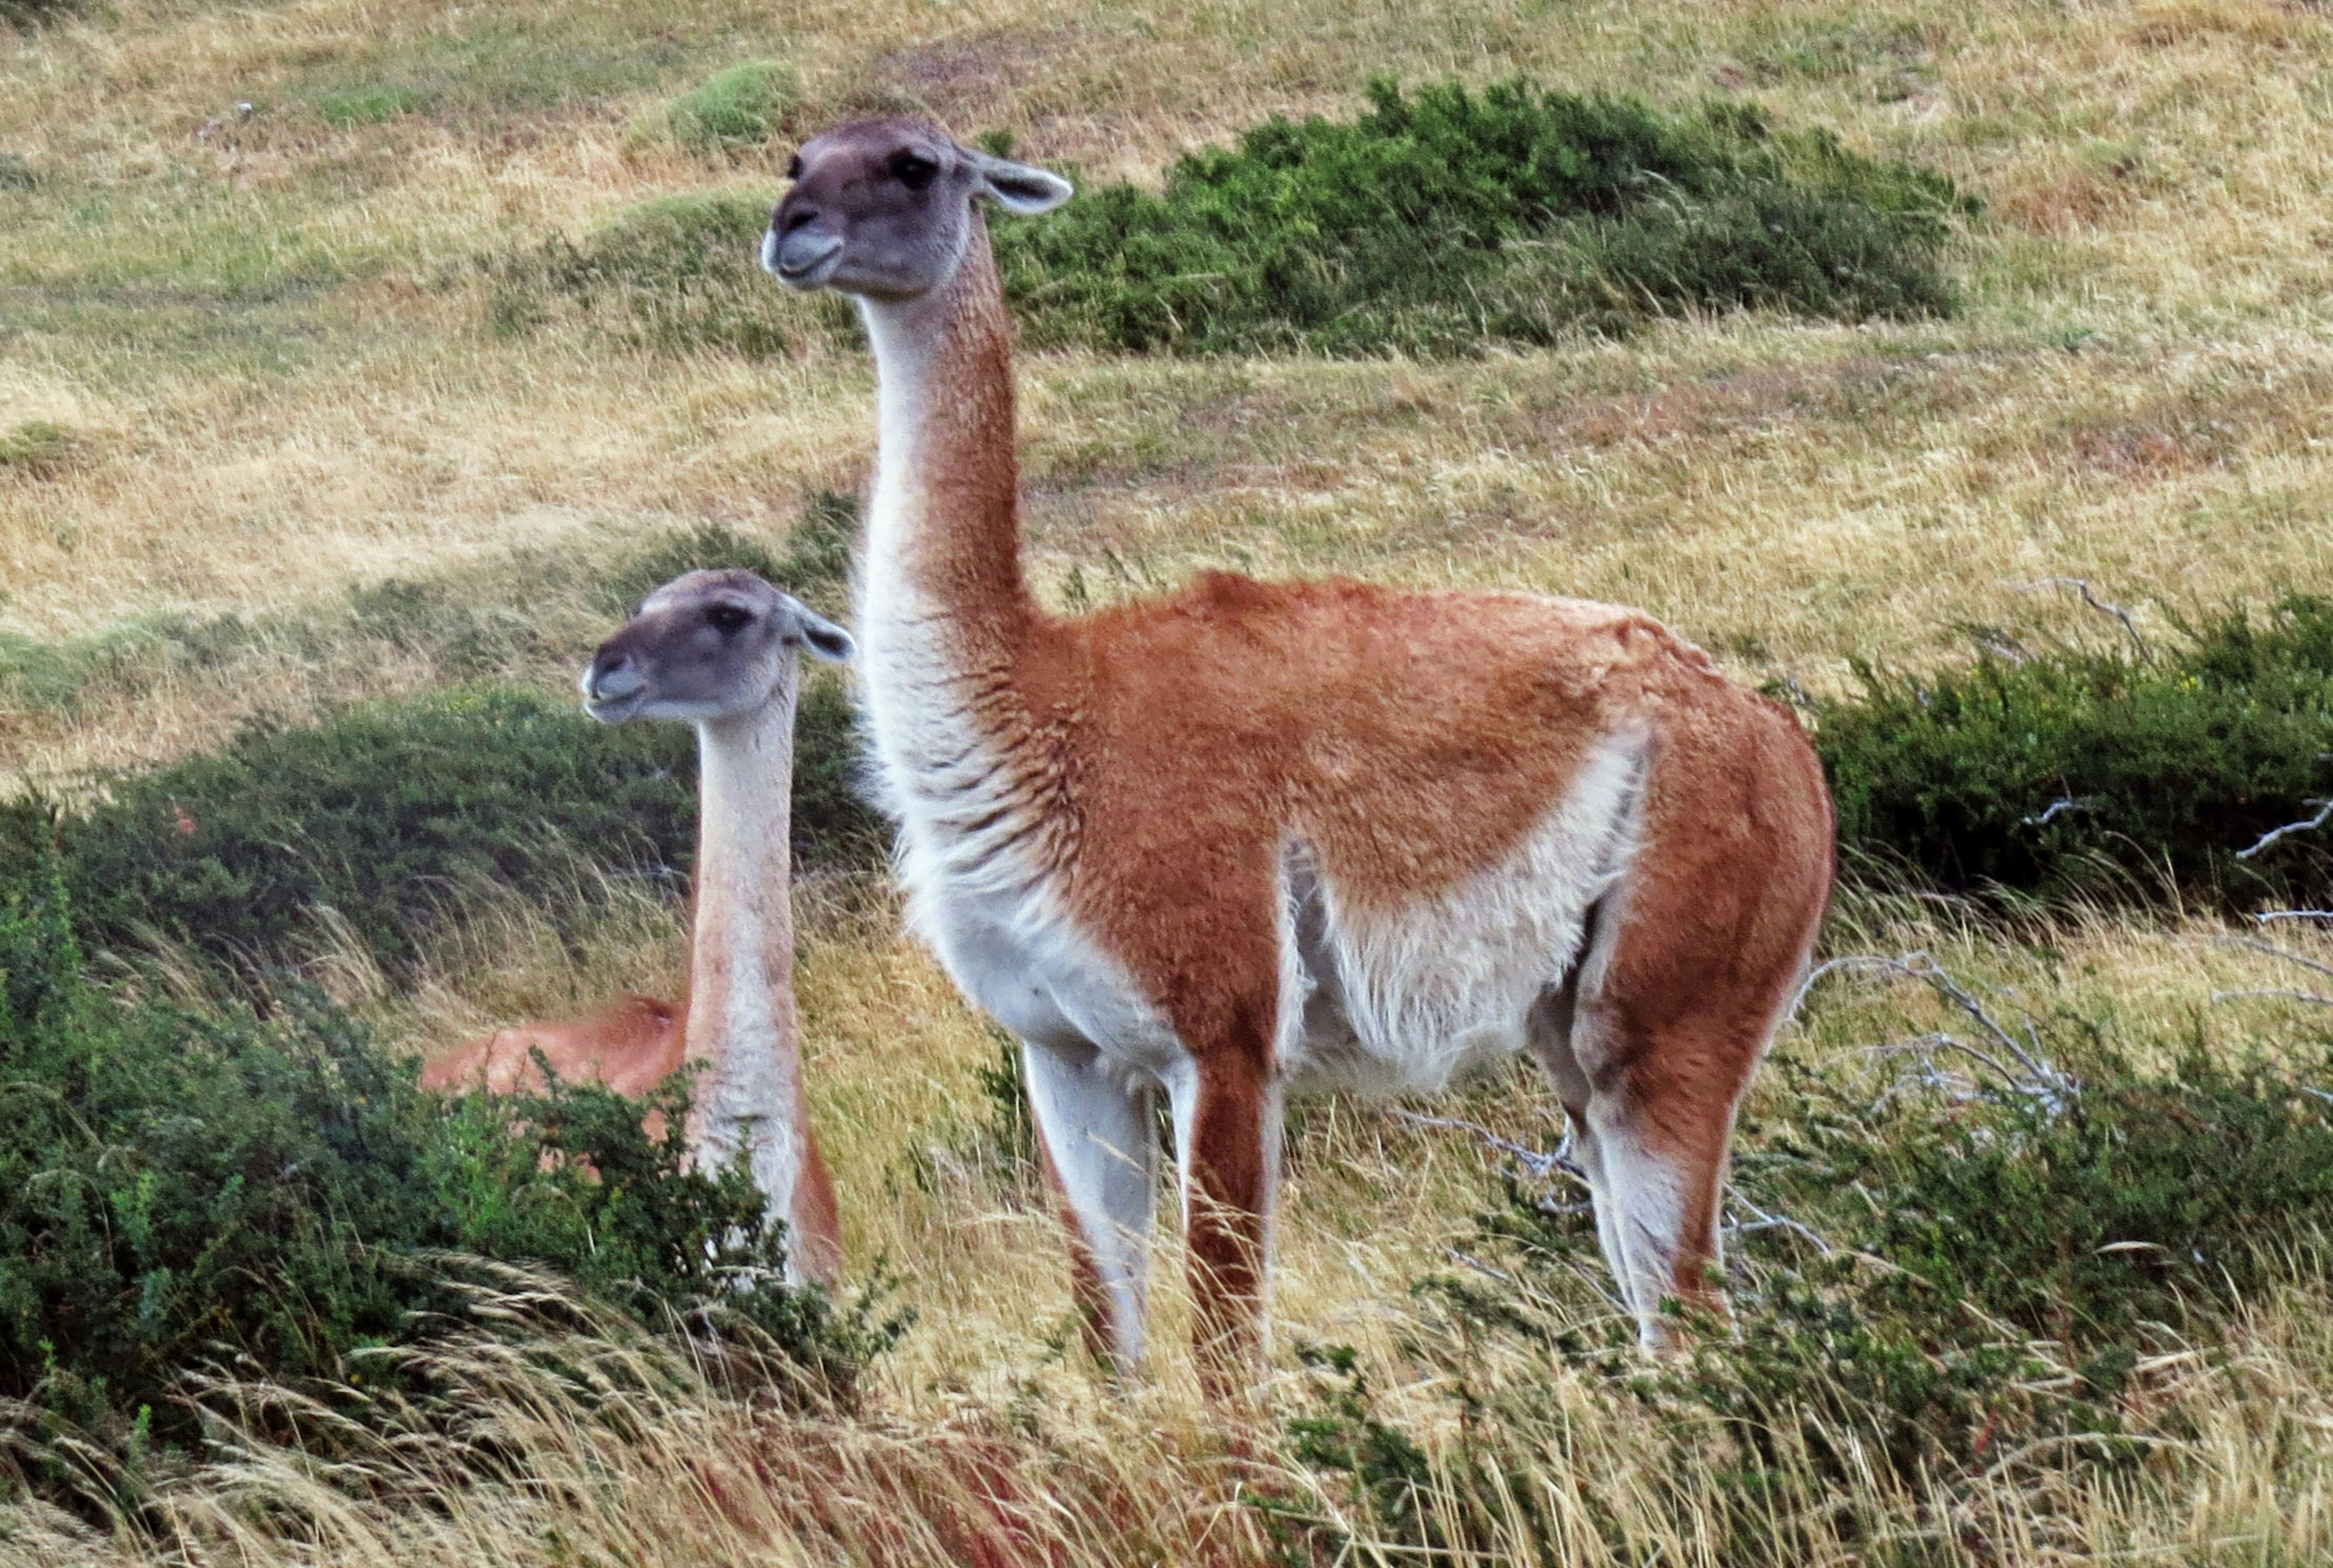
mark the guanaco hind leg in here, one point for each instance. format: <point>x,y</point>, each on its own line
<point>1100,1150</point>
<point>1650,1075</point>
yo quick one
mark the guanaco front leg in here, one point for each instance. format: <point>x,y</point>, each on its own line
<point>1101,1152</point>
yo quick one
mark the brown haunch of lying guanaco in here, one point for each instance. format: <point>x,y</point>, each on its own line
<point>717,651</point>
<point>1259,837</point>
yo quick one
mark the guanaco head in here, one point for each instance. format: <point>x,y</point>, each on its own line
<point>708,645</point>
<point>883,207</point>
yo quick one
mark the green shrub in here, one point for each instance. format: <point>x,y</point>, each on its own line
<point>2166,768</point>
<point>672,274</point>
<point>1445,220</point>
<point>182,1189</point>
<point>742,107</point>
<point>389,811</point>
<point>1976,1268</point>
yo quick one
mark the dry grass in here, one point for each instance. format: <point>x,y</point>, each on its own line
<point>266,339</point>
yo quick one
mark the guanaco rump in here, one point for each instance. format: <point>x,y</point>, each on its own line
<point>715,650</point>
<point>1259,837</point>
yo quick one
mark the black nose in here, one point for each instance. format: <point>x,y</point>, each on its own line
<point>788,222</point>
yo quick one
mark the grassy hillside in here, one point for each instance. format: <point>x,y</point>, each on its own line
<point>370,355</point>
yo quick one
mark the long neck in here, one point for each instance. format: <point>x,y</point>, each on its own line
<point>741,994</point>
<point>944,538</point>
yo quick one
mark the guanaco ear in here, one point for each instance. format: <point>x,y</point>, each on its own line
<point>821,637</point>
<point>1019,188</point>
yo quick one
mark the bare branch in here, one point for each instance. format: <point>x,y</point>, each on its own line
<point>2268,917</point>
<point>2100,605</point>
<point>2310,996</point>
<point>1541,1164</point>
<point>2058,807</point>
<point>2039,1078</point>
<point>2324,815</point>
<point>1764,1220</point>
<point>2273,951</point>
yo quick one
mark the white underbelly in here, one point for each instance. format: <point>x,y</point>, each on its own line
<point>1413,998</point>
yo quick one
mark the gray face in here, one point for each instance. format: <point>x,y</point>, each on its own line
<point>883,209</point>
<point>708,645</point>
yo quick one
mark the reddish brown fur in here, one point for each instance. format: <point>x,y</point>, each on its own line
<point>1169,748</point>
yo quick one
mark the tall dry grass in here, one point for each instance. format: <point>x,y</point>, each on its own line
<point>268,342</point>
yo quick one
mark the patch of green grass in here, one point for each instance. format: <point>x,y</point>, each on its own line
<point>674,275</point>
<point>1446,220</point>
<point>2100,775</point>
<point>185,1188</point>
<point>17,173</point>
<point>497,67</point>
<point>60,677</point>
<point>38,447</point>
<point>742,107</point>
<point>366,105</point>
<point>814,566</point>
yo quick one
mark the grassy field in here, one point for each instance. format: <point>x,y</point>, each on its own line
<point>250,373</point>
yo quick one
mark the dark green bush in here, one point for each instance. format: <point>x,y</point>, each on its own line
<point>2168,768</point>
<point>1995,1262</point>
<point>389,813</point>
<point>180,1189</point>
<point>1447,219</point>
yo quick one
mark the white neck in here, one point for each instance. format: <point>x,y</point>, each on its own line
<point>903,336</point>
<point>741,997</point>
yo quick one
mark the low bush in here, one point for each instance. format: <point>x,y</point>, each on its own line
<point>674,275</point>
<point>181,1190</point>
<point>388,812</point>
<point>1971,1271</point>
<point>742,107</point>
<point>2101,774</point>
<point>1445,220</point>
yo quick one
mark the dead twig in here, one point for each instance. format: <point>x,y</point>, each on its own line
<point>2033,1075</point>
<point>2310,996</point>
<point>2103,607</point>
<point>2268,917</point>
<point>1541,1164</point>
<point>1765,1219</point>
<point>2324,814</point>
<point>2059,806</point>
<point>2255,945</point>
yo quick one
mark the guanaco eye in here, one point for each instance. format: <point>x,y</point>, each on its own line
<point>913,170</point>
<point>793,169</point>
<point>727,619</point>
